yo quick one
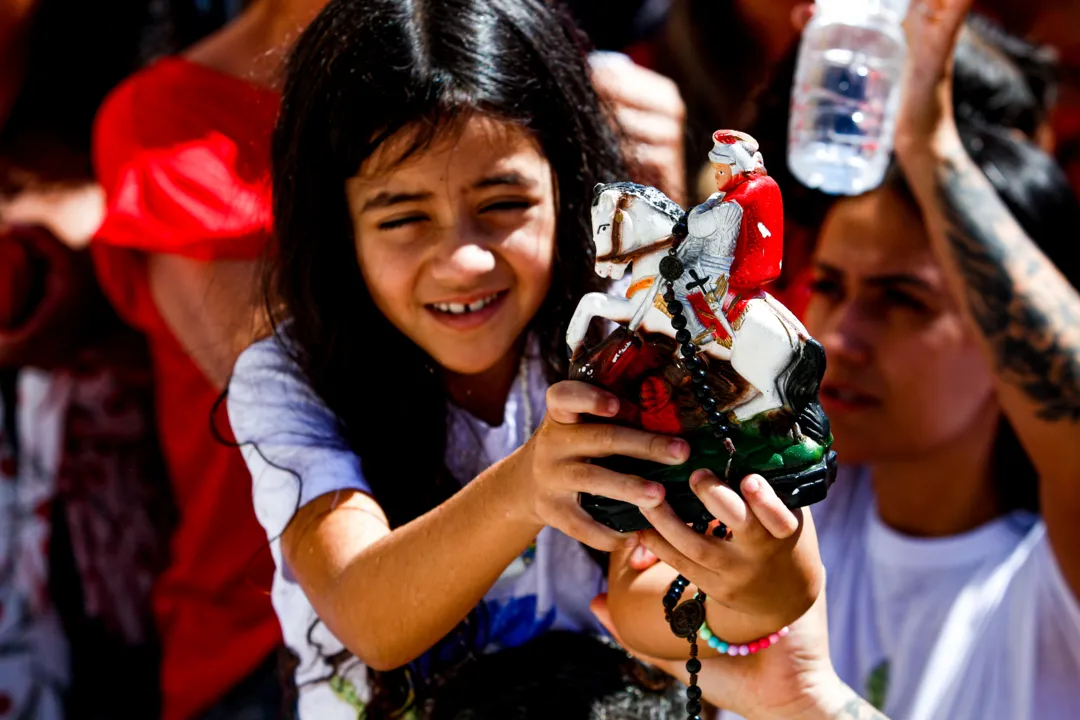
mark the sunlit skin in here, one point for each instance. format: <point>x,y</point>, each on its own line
<point>469,219</point>
<point>905,376</point>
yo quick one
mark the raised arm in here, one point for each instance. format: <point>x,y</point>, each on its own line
<point>1025,311</point>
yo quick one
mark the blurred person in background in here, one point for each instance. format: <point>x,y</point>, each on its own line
<point>83,504</point>
<point>181,149</point>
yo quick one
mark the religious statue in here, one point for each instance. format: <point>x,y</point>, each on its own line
<point>702,350</point>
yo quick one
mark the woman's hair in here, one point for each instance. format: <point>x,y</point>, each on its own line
<point>362,72</point>
<point>564,675</point>
<point>999,107</point>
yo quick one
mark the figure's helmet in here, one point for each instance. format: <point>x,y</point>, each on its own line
<point>737,149</point>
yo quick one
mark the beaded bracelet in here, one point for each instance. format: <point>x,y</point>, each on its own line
<point>750,648</point>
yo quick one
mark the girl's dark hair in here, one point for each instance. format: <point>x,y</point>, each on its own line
<point>999,106</point>
<point>360,73</point>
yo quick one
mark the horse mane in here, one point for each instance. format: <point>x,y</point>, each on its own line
<point>651,195</point>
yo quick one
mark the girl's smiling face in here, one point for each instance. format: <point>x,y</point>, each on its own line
<point>456,242</point>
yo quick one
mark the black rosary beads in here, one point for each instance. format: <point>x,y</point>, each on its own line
<point>686,619</point>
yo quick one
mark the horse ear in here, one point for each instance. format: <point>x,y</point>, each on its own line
<point>596,194</point>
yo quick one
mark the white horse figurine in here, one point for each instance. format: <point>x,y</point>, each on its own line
<point>632,226</point>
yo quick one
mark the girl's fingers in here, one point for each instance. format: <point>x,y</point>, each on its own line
<point>568,400</point>
<point>723,502</point>
<point>602,440</point>
<point>770,511</point>
<point>702,550</point>
<point>596,480</point>
<point>579,525</point>
<point>642,558</point>
<point>670,556</point>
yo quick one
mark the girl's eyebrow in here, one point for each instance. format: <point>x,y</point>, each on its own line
<point>510,178</point>
<point>385,200</point>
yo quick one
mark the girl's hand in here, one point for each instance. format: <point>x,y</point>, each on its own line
<point>926,109</point>
<point>555,463</point>
<point>767,569</point>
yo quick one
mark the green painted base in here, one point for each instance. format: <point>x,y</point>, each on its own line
<point>755,453</point>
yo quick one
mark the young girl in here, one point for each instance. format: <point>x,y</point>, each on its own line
<point>434,164</point>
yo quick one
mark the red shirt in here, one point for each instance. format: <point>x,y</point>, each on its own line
<point>182,152</point>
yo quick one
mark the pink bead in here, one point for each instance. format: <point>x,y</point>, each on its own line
<point>743,650</point>
<point>754,646</point>
<point>733,650</point>
<point>783,632</point>
<point>774,638</point>
<point>765,642</point>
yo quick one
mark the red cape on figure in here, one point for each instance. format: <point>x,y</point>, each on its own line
<point>759,251</point>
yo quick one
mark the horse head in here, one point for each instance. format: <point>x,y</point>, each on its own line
<point>627,217</point>
<point>609,210</point>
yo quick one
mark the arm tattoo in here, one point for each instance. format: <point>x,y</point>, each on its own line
<point>1027,312</point>
<point>855,708</point>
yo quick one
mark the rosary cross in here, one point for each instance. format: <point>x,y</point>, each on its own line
<point>698,282</point>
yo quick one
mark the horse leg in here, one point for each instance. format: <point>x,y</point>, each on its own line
<point>595,305</point>
<point>760,351</point>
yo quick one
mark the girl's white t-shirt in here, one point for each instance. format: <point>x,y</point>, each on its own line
<point>970,627</point>
<point>281,423</point>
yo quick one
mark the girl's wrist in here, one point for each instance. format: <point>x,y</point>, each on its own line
<point>513,498</point>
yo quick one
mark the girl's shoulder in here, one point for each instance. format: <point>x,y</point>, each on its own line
<point>268,390</point>
<point>291,441</point>
<point>271,358</point>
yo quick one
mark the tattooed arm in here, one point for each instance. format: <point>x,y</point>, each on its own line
<point>852,707</point>
<point>1024,310</point>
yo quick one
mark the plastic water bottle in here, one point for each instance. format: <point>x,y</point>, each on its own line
<point>846,95</point>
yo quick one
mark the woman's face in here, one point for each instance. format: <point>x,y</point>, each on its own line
<point>904,374</point>
<point>456,243</point>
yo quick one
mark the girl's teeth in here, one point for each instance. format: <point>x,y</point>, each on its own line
<point>460,308</point>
